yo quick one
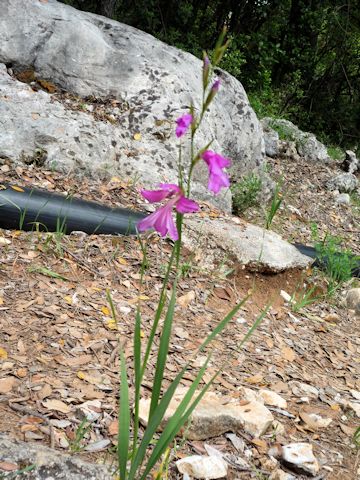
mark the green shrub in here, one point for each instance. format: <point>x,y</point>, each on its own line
<point>335,152</point>
<point>337,263</point>
<point>285,132</point>
<point>245,193</point>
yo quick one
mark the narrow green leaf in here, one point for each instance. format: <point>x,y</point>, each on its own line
<point>163,351</point>
<point>137,371</point>
<point>154,423</point>
<point>124,419</point>
<point>178,419</point>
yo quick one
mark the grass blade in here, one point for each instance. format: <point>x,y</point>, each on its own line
<point>137,371</point>
<point>163,351</point>
<point>124,419</point>
<point>177,420</point>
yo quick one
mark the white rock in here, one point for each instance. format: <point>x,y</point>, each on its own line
<point>91,410</point>
<point>342,199</point>
<point>271,138</point>
<point>152,80</point>
<point>198,466</point>
<point>299,388</point>
<point>214,416</point>
<point>356,407</point>
<point>344,182</point>
<point>273,399</point>
<point>281,475</point>
<point>355,394</point>
<point>353,298</point>
<point>278,428</point>
<point>300,456</point>
<point>216,240</point>
<point>285,296</point>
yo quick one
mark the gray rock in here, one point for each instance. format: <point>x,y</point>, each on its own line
<point>87,54</point>
<point>353,299</point>
<point>271,139</point>
<point>342,199</point>
<point>49,464</point>
<point>351,164</point>
<point>344,183</point>
<point>306,143</point>
<point>218,240</point>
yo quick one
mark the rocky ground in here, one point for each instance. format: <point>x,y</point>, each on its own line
<point>59,344</point>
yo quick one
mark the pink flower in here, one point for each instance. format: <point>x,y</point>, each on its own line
<point>216,163</point>
<point>161,220</point>
<point>183,124</point>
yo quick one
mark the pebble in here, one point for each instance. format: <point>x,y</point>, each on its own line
<point>342,199</point>
<point>198,466</point>
<point>300,456</point>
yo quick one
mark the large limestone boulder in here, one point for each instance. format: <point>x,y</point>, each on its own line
<point>90,55</point>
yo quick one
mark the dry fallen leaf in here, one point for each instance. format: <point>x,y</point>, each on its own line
<point>8,467</point>
<point>3,354</point>
<point>7,384</point>
<point>113,428</point>
<point>57,405</point>
<point>186,299</point>
<point>288,354</point>
<point>254,379</point>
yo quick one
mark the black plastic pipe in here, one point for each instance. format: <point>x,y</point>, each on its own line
<point>24,208</point>
<point>28,208</point>
<point>321,263</point>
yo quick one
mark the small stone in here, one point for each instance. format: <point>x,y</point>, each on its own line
<point>355,407</point>
<point>314,421</point>
<point>273,399</point>
<point>281,475</point>
<point>278,428</point>
<point>90,410</point>
<point>198,466</point>
<point>299,388</point>
<point>269,463</point>
<point>332,318</point>
<point>342,199</point>
<point>351,164</point>
<point>5,168</point>
<point>300,457</point>
<point>353,299</point>
<point>355,394</point>
<point>285,296</point>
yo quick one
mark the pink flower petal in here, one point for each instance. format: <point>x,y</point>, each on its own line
<point>166,190</point>
<point>161,221</point>
<point>185,205</point>
<point>215,163</point>
<point>183,123</point>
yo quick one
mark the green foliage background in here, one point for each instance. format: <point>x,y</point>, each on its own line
<point>298,59</point>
